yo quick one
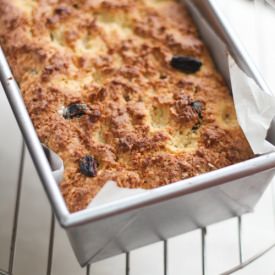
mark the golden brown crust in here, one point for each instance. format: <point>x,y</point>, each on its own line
<point>114,56</point>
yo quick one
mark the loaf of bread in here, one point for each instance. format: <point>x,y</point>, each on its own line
<point>121,90</point>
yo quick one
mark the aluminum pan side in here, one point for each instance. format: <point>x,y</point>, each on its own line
<point>34,146</point>
<point>223,29</point>
<point>152,223</point>
<point>201,182</point>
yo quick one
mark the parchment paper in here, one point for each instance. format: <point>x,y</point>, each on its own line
<point>255,110</point>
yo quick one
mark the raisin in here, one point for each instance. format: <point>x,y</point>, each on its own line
<point>186,64</point>
<point>162,76</point>
<point>94,115</point>
<point>75,110</point>
<point>197,106</point>
<point>88,166</point>
<point>196,126</point>
<point>62,11</point>
<point>126,97</point>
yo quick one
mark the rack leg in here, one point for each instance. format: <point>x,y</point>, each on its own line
<point>203,250</point>
<point>240,244</point>
<point>16,210</point>
<point>127,263</point>
<point>165,256</point>
<point>273,201</point>
<point>88,269</point>
<point>51,243</point>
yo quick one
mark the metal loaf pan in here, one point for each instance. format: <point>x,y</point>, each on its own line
<point>110,229</point>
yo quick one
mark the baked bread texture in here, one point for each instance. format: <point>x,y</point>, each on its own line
<point>121,90</point>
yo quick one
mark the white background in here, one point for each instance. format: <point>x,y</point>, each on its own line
<point>256,30</point>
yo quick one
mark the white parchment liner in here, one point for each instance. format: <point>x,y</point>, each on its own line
<point>255,110</point>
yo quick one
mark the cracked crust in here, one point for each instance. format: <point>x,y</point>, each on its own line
<point>114,56</point>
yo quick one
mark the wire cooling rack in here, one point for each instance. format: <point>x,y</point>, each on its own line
<point>51,238</point>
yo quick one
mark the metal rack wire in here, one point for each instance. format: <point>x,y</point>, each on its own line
<point>242,264</point>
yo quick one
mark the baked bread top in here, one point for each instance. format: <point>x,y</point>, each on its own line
<point>122,90</point>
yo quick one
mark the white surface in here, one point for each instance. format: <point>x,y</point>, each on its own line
<point>184,251</point>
